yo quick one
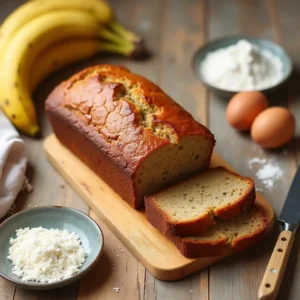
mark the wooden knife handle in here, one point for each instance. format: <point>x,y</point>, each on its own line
<point>270,284</point>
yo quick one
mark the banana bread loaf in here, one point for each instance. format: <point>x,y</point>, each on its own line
<point>128,131</point>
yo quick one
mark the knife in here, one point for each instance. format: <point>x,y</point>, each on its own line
<point>289,219</point>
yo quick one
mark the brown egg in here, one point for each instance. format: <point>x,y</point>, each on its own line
<point>243,108</point>
<point>274,127</point>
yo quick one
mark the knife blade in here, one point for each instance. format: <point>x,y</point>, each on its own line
<point>290,214</point>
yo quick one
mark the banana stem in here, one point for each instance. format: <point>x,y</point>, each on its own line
<point>126,34</point>
<point>119,44</point>
<point>124,49</point>
<point>111,36</point>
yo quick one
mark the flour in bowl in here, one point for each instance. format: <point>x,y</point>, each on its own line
<point>46,255</point>
<point>242,67</point>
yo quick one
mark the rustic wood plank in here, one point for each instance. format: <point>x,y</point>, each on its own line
<point>204,285</point>
<point>7,289</point>
<point>189,288</point>
<point>240,276</point>
<point>184,31</point>
<point>286,21</point>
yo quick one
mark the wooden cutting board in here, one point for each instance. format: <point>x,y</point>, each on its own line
<point>158,255</point>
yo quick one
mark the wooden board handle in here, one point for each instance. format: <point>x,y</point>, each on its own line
<point>270,284</point>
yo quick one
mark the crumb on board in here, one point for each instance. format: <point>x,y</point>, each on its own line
<point>27,186</point>
<point>116,289</point>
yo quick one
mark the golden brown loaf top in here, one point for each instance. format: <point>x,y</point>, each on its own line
<point>127,117</point>
<point>128,108</point>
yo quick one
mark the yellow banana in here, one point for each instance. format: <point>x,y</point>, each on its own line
<point>103,14</point>
<point>21,52</point>
<point>37,25</point>
<point>66,52</point>
<point>30,10</point>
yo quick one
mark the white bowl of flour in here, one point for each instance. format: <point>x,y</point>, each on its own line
<point>234,64</point>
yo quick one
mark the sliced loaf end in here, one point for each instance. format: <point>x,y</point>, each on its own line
<point>189,207</point>
<point>226,236</point>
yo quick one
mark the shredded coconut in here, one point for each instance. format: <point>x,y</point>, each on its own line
<point>268,172</point>
<point>46,255</point>
<point>241,67</point>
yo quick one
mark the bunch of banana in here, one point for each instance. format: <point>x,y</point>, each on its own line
<point>43,35</point>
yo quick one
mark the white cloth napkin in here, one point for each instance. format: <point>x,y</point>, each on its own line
<point>13,161</point>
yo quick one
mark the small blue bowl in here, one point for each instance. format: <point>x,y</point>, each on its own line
<point>51,217</point>
<point>229,41</point>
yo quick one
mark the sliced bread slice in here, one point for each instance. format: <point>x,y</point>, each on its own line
<point>227,235</point>
<point>189,207</point>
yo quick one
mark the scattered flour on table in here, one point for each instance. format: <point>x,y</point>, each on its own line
<point>241,67</point>
<point>46,255</point>
<point>268,171</point>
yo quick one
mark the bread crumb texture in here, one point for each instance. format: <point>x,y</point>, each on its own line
<point>214,189</point>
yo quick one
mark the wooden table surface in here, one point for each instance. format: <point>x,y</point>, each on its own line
<point>173,31</point>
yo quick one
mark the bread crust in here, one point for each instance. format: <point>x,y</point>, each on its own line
<point>111,136</point>
<point>191,249</point>
<point>159,219</point>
